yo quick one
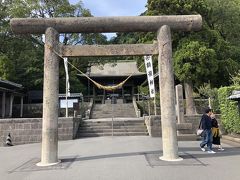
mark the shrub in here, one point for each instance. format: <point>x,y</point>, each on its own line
<point>230,116</point>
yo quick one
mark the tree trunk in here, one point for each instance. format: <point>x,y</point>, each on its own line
<point>190,105</point>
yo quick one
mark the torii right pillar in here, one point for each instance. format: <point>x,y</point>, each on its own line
<point>167,96</point>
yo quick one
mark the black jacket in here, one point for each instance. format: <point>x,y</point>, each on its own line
<point>206,122</point>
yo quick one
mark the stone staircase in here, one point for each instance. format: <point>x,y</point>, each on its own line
<point>119,110</point>
<point>121,127</point>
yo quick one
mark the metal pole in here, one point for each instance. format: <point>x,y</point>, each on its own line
<point>112,119</point>
<point>112,112</point>
<point>88,88</point>
<point>143,105</point>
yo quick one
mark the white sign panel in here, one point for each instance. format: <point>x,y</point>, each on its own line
<point>63,103</point>
<point>149,70</point>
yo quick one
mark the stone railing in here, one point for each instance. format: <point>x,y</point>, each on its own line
<point>29,130</point>
<point>89,109</point>
<point>190,125</point>
<point>137,111</point>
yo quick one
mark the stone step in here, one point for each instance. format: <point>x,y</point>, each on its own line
<point>100,116</point>
<point>121,127</point>
<point>109,110</point>
<point>113,105</point>
<point>118,119</point>
<point>115,124</point>
<point>115,116</point>
<point>109,120</point>
<point>187,137</point>
<point>123,112</point>
<point>110,130</point>
<point>119,110</point>
<point>114,127</point>
<point>114,109</point>
<point>114,134</point>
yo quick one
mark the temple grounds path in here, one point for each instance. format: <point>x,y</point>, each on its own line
<point>120,158</point>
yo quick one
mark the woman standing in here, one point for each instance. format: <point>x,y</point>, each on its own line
<point>216,133</point>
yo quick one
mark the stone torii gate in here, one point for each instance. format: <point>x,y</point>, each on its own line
<point>53,26</point>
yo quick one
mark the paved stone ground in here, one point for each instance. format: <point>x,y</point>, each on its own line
<point>120,158</point>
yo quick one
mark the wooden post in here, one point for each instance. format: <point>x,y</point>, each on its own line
<point>11,105</point>
<point>3,104</point>
<point>21,108</point>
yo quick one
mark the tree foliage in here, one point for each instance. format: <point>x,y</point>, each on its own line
<point>209,55</point>
<point>194,62</point>
<point>211,39</point>
<point>230,116</point>
<point>6,67</point>
<point>25,53</point>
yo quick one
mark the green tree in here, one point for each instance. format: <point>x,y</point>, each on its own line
<point>204,55</point>
<point>194,64</point>
<point>225,19</point>
<point>6,67</point>
<point>26,53</point>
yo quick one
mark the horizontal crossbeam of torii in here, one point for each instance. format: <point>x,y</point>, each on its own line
<point>108,50</point>
<point>54,50</point>
<point>106,24</point>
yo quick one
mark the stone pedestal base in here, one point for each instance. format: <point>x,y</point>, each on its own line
<point>40,164</point>
<point>166,159</point>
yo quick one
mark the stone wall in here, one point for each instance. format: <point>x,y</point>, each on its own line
<point>200,105</point>
<point>29,130</point>
<point>29,110</point>
<point>35,110</point>
<point>190,126</point>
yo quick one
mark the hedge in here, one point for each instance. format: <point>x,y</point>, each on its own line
<point>230,116</point>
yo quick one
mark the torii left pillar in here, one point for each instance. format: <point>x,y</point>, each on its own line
<point>49,154</point>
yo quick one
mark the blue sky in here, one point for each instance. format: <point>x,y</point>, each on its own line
<point>114,8</point>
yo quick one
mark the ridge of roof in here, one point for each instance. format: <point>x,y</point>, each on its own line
<point>10,83</point>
